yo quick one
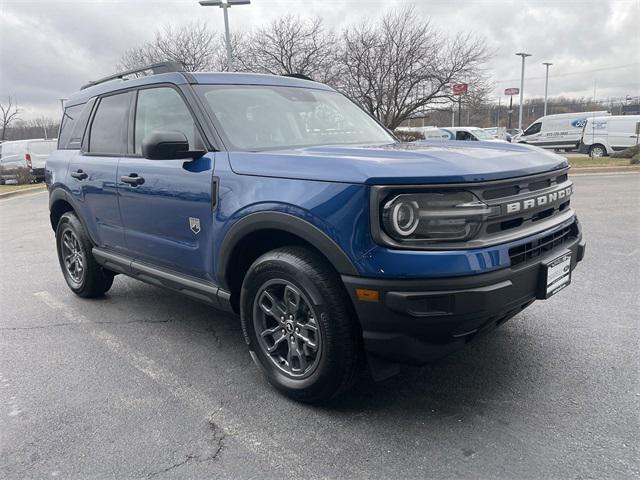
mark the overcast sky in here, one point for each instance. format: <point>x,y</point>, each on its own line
<point>48,48</point>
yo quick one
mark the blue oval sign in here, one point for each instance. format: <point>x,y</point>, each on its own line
<point>579,122</point>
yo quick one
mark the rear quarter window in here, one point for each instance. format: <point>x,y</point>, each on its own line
<point>69,119</point>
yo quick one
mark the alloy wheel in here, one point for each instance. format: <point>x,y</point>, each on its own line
<point>72,256</point>
<point>286,327</point>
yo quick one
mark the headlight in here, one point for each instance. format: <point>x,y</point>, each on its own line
<point>434,216</point>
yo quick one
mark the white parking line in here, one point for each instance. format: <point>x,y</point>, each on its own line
<point>268,449</point>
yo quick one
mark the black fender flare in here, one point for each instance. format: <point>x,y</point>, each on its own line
<point>56,194</point>
<point>287,223</point>
<point>59,193</point>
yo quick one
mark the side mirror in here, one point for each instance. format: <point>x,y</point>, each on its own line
<point>167,145</point>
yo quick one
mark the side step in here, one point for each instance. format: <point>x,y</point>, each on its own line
<point>192,287</point>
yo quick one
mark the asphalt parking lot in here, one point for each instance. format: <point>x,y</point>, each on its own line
<point>147,384</point>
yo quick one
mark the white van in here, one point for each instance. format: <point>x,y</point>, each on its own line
<point>31,154</point>
<point>604,135</point>
<point>562,131</point>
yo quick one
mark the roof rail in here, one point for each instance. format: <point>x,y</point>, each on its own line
<point>156,68</point>
<point>301,76</point>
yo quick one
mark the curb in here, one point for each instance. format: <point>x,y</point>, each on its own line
<point>603,170</point>
<point>22,192</point>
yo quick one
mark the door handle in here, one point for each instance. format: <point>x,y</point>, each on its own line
<point>132,179</point>
<point>79,174</point>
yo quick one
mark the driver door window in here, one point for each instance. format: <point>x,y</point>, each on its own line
<point>533,129</point>
<point>162,109</point>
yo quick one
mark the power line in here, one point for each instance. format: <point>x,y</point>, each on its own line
<point>616,67</point>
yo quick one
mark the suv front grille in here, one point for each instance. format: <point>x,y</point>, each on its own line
<point>536,248</point>
<point>518,208</point>
<point>500,197</point>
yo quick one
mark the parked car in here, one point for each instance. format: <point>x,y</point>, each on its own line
<point>499,133</point>
<point>471,134</point>
<point>427,133</point>
<point>493,131</point>
<point>29,154</point>
<point>559,132</point>
<point>279,199</point>
<point>604,135</point>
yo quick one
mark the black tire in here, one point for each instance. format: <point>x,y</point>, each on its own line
<point>597,150</point>
<point>92,281</point>
<point>339,358</point>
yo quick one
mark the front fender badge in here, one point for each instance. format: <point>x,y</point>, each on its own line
<point>194,225</point>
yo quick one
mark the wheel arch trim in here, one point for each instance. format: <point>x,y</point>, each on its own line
<point>60,194</point>
<point>287,223</point>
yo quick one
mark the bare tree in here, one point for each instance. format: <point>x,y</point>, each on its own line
<point>400,65</point>
<point>9,113</point>
<point>291,44</point>
<point>23,129</point>
<point>46,125</point>
<point>194,46</point>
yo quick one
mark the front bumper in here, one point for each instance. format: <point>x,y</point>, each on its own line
<point>418,321</point>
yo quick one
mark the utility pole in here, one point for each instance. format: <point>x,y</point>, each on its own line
<point>225,5</point>
<point>523,55</point>
<point>546,87</point>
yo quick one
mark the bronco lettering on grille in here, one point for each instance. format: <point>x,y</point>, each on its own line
<point>539,201</point>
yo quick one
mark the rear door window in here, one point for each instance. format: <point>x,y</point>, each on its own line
<point>108,134</point>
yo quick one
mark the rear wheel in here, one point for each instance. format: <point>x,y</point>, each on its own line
<point>298,323</point>
<point>84,276</point>
<point>597,150</point>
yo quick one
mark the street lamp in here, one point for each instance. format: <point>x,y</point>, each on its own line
<point>225,5</point>
<point>523,55</point>
<point>546,86</point>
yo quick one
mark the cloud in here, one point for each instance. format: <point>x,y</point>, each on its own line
<point>49,48</point>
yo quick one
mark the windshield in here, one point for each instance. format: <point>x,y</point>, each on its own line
<point>263,117</point>
<point>482,135</point>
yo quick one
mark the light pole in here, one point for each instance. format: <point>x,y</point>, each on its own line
<point>523,55</point>
<point>546,86</point>
<point>225,5</point>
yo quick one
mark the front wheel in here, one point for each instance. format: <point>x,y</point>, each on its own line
<point>298,323</point>
<point>597,150</point>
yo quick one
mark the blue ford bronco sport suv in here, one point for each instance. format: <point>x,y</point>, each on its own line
<point>279,199</point>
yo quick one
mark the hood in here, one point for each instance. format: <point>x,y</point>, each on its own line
<point>400,163</point>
